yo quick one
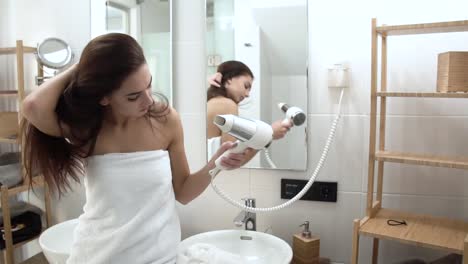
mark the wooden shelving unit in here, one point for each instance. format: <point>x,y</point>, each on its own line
<point>9,131</point>
<point>421,230</point>
<point>9,127</point>
<point>418,159</point>
<point>426,28</point>
<point>422,94</point>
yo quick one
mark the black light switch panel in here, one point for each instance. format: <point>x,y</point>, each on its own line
<point>320,191</point>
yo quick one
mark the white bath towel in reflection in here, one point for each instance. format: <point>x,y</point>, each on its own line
<point>130,214</point>
<point>212,146</point>
<point>202,253</point>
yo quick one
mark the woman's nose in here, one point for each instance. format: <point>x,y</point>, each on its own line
<point>148,98</point>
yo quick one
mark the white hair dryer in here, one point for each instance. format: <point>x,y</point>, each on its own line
<point>250,133</point>
<point>294,115</point>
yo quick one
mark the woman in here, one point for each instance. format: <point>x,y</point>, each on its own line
<point>228,87</point>
<point>99,118</point>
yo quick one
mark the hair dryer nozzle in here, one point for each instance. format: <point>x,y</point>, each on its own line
<point>295,114</point>
<point>299,118</point>
<point>241,128</point>
<point>255,133</point>
<point>219,121</point>
<point>283,106</point>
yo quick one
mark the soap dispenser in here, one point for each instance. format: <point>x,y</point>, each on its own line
<point>306,248</point>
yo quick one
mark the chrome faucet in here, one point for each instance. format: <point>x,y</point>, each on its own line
<point>247,218</point>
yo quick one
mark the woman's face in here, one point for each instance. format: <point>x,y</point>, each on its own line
<point>239,87</point>
<point>133,98</point>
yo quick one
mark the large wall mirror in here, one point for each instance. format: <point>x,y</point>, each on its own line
<point>149,22</point>
<point>271,38</point>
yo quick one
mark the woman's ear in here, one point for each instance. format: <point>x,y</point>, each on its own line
<point>104,101</point>
<point>227,83</point>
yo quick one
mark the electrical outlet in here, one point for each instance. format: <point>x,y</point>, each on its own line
<point>319,191</point>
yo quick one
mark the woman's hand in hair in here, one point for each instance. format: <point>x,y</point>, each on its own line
<point>215,79</point>
<point>39,106</point>
<point>280,129</point>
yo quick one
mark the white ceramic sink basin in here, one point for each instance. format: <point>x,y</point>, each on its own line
<point>56,241</point>
<point>249,246</point>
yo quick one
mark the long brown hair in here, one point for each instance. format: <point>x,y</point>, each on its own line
<point>104,64</point>
<point>229,70</point>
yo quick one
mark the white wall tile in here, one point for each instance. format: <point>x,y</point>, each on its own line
<point>437,135</point>
<point>344,161</point>
<point>420,180</point>
<point>425,135</point>
<point>452,207</point>
<point>241,177</point>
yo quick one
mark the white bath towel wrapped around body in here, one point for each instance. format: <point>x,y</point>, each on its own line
<point>130,214</point>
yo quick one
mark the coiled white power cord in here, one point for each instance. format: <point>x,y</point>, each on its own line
<point>268,158</point>
<point>298,196</point>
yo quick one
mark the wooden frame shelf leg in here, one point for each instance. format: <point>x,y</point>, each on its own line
<point>355,253</point>
<point>375,251</point>
<point>465,251</point>
<point>7,226</point>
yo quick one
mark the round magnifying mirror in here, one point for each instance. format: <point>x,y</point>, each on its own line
<point>54,53</point>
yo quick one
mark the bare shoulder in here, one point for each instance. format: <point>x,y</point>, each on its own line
<point>174,130</point>
<point>173,117</point>
<point>221,105</point>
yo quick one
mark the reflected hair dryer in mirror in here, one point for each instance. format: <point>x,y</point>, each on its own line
<point>294,114</point>
<point>250,133</point>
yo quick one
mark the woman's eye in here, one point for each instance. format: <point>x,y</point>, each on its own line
<point>131,99</point>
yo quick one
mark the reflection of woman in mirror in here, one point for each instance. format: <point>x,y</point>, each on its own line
<point>99,119</point>
<point>228,87</point>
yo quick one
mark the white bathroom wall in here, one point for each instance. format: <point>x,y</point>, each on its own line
<point>340,32</point>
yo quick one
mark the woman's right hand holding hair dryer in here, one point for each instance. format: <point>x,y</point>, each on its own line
<point>280,129</point>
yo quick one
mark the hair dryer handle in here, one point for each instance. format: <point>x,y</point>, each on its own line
<point>237,149</point>
<point>286,122</point>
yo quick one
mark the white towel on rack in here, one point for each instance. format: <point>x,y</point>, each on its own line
<point>130,214</point>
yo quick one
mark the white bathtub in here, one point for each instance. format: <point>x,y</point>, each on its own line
<point>56,241</point>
